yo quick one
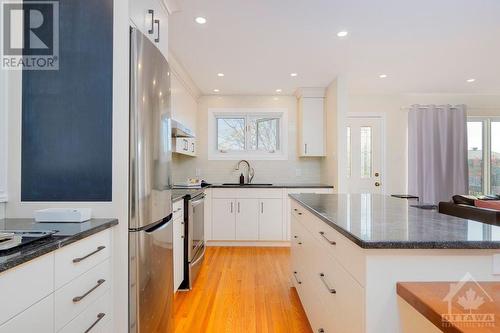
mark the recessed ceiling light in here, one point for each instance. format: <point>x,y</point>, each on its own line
<point>293,74</point>
<point>471,80</point>
<point>342,34</point>
<point>220,74</point>
<point>278,90</point>
<point>200,20</point>
<point>216,90</point>
<point>382,76</point>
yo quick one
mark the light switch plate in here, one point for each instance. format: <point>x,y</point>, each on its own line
<point>496,264</point>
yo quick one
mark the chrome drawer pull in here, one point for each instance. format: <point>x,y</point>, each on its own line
<point>331,290</point>
<point>296,277</point>
<point>79,298</point>
<point>100,248</point>
<point>329,241</point>
<point>99,317</point>
<point>321,330</point>
<point>300,213</point>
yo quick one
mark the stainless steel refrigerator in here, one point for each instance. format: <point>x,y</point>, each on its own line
<point>150,215</point>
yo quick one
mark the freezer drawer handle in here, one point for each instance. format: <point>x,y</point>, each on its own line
<point>331,290</point>
<point>100,248</point>
<point>295,274</point>
<point>79,298</point>
<point>99,317</point>
<point>329,241</point>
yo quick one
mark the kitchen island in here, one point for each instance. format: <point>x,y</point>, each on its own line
<point>350,250</point>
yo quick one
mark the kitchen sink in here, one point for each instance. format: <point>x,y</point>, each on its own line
<point>252,184</point>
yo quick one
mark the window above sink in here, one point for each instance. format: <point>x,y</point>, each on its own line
<point>256,134</point>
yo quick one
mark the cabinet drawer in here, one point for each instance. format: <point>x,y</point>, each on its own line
<point>74,297</point>
<point>37,280</point>
<point>341,297</point>
<point>334,243</point>
<point>178,209</point>
<point>95,317</point>
<point>77,258</point>
<point>37,318</point>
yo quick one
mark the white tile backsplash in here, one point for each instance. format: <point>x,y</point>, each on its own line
<point>2,210</point>
<point>293,170</point>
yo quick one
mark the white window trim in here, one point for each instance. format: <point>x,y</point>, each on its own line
<point>214,154</point>
<point>486,121</point>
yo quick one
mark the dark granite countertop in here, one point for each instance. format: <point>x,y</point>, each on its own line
<point>276,185</point>
<point>66,234</point>
<point>383,222</point>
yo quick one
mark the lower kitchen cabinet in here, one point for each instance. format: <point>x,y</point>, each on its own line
<point>270,219</point>
<point>223,219</point>
<point>178,232</point>
<point>247,220</point>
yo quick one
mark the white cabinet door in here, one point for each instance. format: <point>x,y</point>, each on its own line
<point>223,219</point>
<point>312,123</point>
<point>271,219</point>
<point>178,252</point>
<point>247,219</point>
<point>38,318</point>
<point>151,18</point>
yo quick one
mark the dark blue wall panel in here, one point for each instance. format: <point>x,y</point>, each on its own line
<point>67,114</point>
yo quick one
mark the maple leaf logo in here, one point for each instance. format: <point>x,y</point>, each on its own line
<point>471,301</point>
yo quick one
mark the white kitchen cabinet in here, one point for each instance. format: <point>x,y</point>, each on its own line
<point>185,146</point>
<point>40,295</point>
<point>39,315</point>
<point>151,18</point>
<point>270,219</point>
<point>223,219</point>
<point>247,219</point>
<point>178,243</point>
<point>311,126</point>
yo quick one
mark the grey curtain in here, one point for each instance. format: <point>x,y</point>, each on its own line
<point>437,152</point>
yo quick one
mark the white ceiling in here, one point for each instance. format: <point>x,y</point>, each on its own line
<point>424,46</point>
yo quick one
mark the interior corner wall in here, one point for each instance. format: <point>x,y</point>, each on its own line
<point>329,165</point>
<point>395,108</point>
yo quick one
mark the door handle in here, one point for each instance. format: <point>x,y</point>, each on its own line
<point>79,298</point>
<point>238,206</point>
<point>152,13</point>
<point>157,39</point>
<point>329,241</point>
<point>305,148</point>
<point>377,184</point>
<point>99,317</point>
<point>99,248</point>
<point>330,290</point>
<point>261,207</point>
<point>295,274</point>
<point>231,206</point>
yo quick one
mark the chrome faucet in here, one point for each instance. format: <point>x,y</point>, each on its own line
<point>250,170</point>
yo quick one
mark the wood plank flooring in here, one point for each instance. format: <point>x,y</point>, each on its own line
<point>240,290</point>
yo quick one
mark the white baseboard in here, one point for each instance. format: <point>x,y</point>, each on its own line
<point>249,243</point>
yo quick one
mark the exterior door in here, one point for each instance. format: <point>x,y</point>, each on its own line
<point>364,155</point>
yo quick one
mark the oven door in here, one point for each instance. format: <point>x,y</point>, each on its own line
<point>196,225</point>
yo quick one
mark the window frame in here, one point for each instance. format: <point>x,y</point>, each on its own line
<point>216,113</point>
<point>487,151</point>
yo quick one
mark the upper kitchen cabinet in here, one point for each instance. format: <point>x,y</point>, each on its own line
<point>151,18</point>
<point>311,122</point>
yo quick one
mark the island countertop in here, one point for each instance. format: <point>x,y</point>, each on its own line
<point>375,221</point>
<point>66,233</point>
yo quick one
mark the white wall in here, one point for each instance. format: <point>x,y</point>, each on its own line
<point>395,109</point>
<point>302,170</point>
<point>2,210</point>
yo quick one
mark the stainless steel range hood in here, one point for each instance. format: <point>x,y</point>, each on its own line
<point>181,131</point>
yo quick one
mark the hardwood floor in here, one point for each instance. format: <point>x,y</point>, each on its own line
<point>240,290</point>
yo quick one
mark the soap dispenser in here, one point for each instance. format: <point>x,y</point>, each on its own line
<point>242,179</point>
